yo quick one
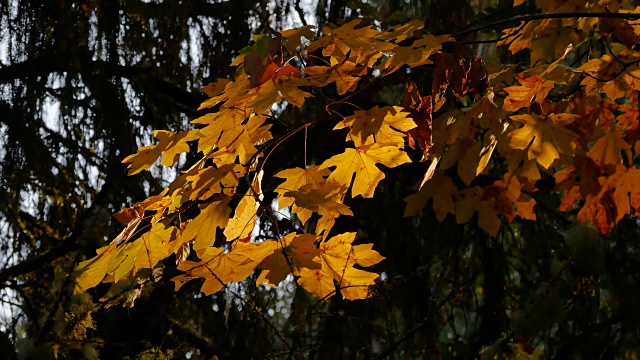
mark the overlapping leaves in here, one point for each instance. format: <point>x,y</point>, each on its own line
<point>486,138</point>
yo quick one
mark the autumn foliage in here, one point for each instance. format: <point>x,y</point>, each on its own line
<point>486,136</point>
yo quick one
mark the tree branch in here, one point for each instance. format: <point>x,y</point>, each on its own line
<point>528,18</point>
<point>46,64</point>
<point>424,322</point>
<point>70,244</point>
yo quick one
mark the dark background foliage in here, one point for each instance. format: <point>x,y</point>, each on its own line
<point>83,83</point>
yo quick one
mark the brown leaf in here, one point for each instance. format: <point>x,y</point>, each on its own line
<point>462,73</point>
<point>125,215</point>
<point>622,30</point>
<point>254,67</point>
<point>420,110</point>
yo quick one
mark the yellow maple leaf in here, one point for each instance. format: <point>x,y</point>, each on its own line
<point>401,32</point>
<point>325,200</point>
<point>337,257</point>
<point>546,138</point>
<point>227,130</point>
<point>294,252</point>
<point>258,133</point>
<point>441,189</point>
<point>291,38</point>
<point>259,99</point>
<point>216,88</point>
<point>203,227</point>
<point>358,42</point>
<point>362,162</point>
<point>471,202</point>
<point>340,253</point>
<point>239,87</point>
<point>614,76</point>
<point>525,33</point>
<point>120,260</point>
<point>171,144</point>
<point>416,54</point>
<point>627,192</point>
<point>290,91</point>
<point>206,269</point>
<point>476,158</point>
<point>317,282</point>
<point>92,271</point>
<point>219,268</point>
<point>355,283</point>
<point>145,252</point>
<point>295,179</point>
<point>222,128</point>
<point>244,220</point>
<point>384,126</point>
<point>346,75</point>
<point>210,181</point>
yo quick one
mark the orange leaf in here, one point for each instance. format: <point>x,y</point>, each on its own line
<point>269,73</point>
<point>531,88</point>
<point>609,148</point>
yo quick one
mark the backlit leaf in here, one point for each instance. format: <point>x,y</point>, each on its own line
<point>244,220</point>
<point>532,88</point>
<point>203,227</point>
<point>545,138</point>
<point>384,126</point>
<point>362,162</point>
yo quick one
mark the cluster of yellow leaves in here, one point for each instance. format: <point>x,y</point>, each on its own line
<point>316,268</point>
<point>202,215</point>
<point>578,125</point>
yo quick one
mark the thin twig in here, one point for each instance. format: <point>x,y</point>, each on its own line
<point>255,309</point>
<point>420,325</point>
<point>298,8</point>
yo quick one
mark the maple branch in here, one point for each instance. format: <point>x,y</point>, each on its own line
<point>366,322</point>
<point>489,41</point>
<point>424,322</point>
<point>35,263</point>
<point>254,308</point>
<point>296,5</point>
<point>284,252</point>
<point>625,66</point>
<point>367,86</point>
<point>202,341</point>
<point>68,245</point>
<point>46,64</point>
<point>528,18</point>
<point>277,142</point>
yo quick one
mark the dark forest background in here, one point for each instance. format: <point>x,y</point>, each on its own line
<point>83,83</point>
